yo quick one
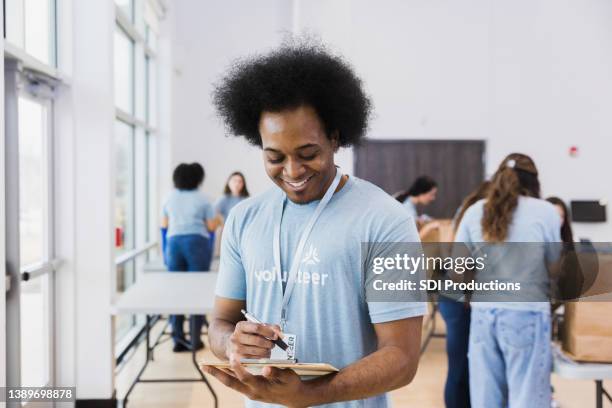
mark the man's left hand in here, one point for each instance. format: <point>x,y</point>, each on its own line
<point>275,385</point>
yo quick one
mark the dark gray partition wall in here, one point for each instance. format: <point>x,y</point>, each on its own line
<point>457,165</point>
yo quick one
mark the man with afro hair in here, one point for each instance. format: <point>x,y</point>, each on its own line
<point>292,256</point>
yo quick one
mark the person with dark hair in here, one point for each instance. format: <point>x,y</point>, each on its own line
<point>571,282</point>
<point>566,227</point>
<point>188,177</point>
<point>291,256</point>
<point>189,218</point>
<point>234,192</point>
<point>455,311</point>
<point>422,192</point>
<point>510,356</point>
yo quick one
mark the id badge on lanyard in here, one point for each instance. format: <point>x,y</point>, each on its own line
<point>295,264</point>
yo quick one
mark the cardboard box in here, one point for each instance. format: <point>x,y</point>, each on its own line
<point>587,331</point>
<point>442,234</point>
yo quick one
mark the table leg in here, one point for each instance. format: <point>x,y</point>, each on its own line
<point>210,388</point>
<point>149,349</point>
<point>599,393</point>
<point>163,333</point>
<point>605,393</point>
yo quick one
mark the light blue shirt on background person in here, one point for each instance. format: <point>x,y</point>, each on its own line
<point>534,222</point>
<point>327,310</point>
<point>225,203</point>
<point>412,210</point>
<point>187,211</point>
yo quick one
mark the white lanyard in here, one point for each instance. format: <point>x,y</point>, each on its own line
<point>302,242</point>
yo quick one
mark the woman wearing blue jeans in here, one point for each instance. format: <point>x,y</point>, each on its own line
<point>189,218</point>
<point>456,315</point>
<point>509,344</point>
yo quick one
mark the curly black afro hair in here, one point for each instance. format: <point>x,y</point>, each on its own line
<point>188,176</point>
<point>292,76</point>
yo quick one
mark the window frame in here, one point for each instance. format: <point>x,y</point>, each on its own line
<point>37,87</point>
<point>145,240</point>
<point>48,251</point>
<point>19,52</point>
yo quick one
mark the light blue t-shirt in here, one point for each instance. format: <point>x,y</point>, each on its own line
<point>409,205</point>
<point>327,310</point>
<point>187,211</point>
<point>225,203</point>
<point>535,222</point>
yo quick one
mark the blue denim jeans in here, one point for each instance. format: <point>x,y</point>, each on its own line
<point>510,358</point>
<point>188,253</point>
<point>457,319</point>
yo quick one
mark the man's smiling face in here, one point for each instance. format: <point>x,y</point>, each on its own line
<point>298,154</point>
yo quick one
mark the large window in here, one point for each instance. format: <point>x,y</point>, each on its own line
<point>124,188</point>
<point>30,77</point>
<point>135,41</point>
<point>30,26</point>
<point>35,244</point>
<point>33,185</point>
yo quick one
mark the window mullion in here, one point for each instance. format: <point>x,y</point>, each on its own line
<point>127,26</point>
<point>133,191</point>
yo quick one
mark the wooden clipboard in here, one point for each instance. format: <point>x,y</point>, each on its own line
<point>255,368</point>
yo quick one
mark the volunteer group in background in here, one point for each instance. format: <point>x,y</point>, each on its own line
<point>189,222</point>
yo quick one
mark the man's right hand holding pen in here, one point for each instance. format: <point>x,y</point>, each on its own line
<point>252,340</point>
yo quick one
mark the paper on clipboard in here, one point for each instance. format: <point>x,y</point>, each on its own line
<point>301,369</point>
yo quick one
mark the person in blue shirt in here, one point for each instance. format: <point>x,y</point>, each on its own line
<point>509,344</point>
<point>422,192</point>
<point>234,192</point>
<point>189,218</point>
<point>292,255</point>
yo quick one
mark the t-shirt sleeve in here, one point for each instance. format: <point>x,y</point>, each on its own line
<point>402,236</point>
<point>209,212</point>
<point>231,282</point>
<point>206,209</point>
<point>219,205</point>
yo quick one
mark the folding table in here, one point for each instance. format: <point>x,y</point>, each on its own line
<point>168,293</point>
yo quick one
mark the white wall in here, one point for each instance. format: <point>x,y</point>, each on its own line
<point>528,75</point>
<point>207,37</point>
<point>85,182</point>
<point>64,197</point>
<point>551,89</point>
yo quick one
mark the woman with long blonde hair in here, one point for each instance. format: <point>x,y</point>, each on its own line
<point>509,343</point>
